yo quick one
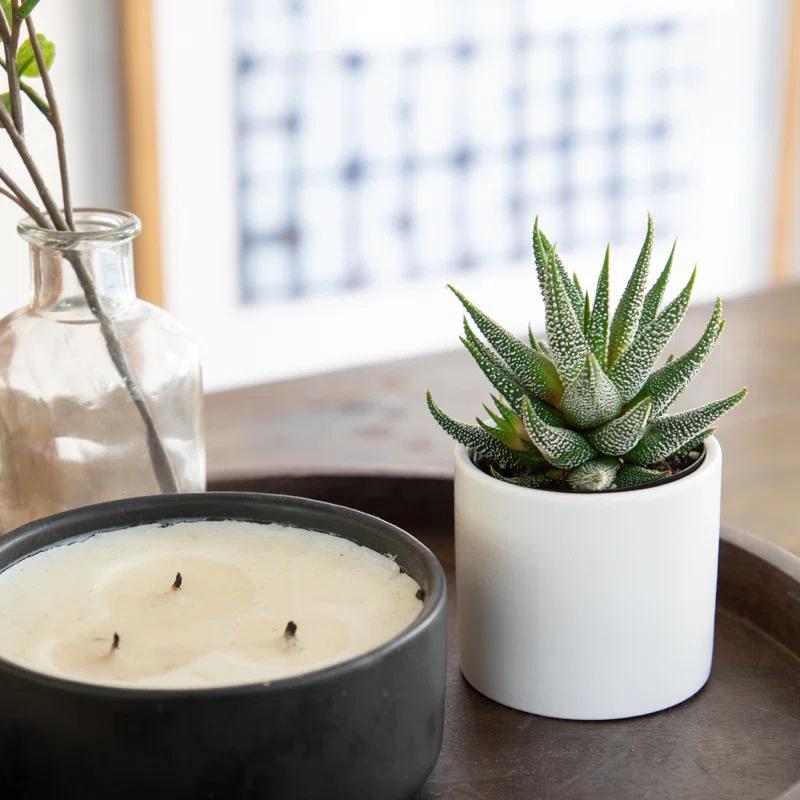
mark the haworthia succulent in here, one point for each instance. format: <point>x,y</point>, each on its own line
<point>597,336</point>
<point>477,439</point>
<point>591,399</point>
<point>634,475</point>
<point>625,322</point>
<point>564,332</point>
<point>533,370</point>
<point>594,476</point>
<point>630,372</point>
<point>652,300</point>
<point>666,384</point>
<point>574,407</point>
<point>573,293</point>
<point>561,447</point>
<point>621,434</point>
<point>668,434</point>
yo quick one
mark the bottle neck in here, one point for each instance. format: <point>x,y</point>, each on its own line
<point>56,287</point>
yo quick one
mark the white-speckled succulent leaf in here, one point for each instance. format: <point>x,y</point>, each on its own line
<point>561,447</point>
<point>652,300</point>
<point>528,481</point>
<point>593,476</point>
<point>542,250</point>
<point>591,399</point>
<point>597,336</point>
<point>634,475</point>
<point>619,435</point>
<point>478,439</point>
<point>669,434</point>
<point>666,384</point>
<point>625,322</point>
<point>632,369</point>
<point>564,332</point>
<point>534,371</point>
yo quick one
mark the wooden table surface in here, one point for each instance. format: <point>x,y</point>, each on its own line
<point>373,420</point>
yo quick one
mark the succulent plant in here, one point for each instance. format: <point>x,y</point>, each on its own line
<point>586,410</point>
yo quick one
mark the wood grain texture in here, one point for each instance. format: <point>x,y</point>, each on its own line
<point>373,420</point>
<point>739,737</point>
<point>141,140</point>
<point>787,172</point>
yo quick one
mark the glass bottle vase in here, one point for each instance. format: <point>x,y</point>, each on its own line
<point>100,392</point>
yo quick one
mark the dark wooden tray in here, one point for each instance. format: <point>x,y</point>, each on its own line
<point>739,738</point>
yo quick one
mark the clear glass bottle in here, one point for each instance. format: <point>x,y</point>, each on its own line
<point>100,392</point>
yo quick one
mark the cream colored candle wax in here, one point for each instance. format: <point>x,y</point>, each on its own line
<point>224,621</point>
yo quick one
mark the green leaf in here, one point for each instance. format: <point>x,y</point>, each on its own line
<point>478,439</point>
<point>621,434</point>
<point>564,333</point>
<point>669,434</point>
<point>694,444</point>
<point>573,292</point>
<point>593,476</point>
<point>533,370</point>
<point>7,10</point>
<point>634,475</point>
<point>629,310</point>
<point>532,481</point>
<point>25,9</point>
<point>561,447</point>
<point>667,383</point>
<point>653,298</point>
<point>26,58</point>
<point>591,399</point>
<point>631,371</point>
<point>587,313</point>
<point>499,375</point>
<point>597,336</point>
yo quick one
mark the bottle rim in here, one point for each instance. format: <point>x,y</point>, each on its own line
<point>93,226</point>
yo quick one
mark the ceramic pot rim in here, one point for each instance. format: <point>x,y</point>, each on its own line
<point>673,484</point>
<point>435,597</point>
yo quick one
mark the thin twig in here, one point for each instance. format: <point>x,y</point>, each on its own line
<point>55,120</point>
<point>12,71</point>
<point>21,148</point>
<point>24,201</point>
<point>13,198</point>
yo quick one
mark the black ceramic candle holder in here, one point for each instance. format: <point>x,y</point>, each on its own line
<point>367,729</point>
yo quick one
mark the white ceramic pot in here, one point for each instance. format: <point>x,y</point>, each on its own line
<point>587,606</point>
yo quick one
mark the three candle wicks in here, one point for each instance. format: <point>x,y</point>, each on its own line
<point>289,633</point>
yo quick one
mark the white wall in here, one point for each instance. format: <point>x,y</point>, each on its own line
<point>86,78</point>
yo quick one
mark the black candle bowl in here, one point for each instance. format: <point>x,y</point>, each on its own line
<point>369,728</point>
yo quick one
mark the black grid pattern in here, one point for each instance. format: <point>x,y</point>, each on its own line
<point>365,168</point>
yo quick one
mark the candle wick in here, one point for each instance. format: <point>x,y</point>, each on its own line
<point>115,642</point>
<point>291,631</point>
<point>420,595</point>
<point>177,582</point>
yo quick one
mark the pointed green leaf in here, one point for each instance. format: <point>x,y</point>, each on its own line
<point>696,443</point>
<point>652,300</point>
<point>27,65</point>
<point>597,335</point>
<point>5,5</point>
<point>626,318</point>
<point>593,476</point>
<point>533,370</point>
<point>564,333</point>
<point>632,369</point>
<point>499,375</point>
<point>476,438</point>
<point>533,481</point>
<point>561,447</point>
<point>668,434</point>
<point>634,475</point>
<point>572,291</point>
<point>587,314</point>
<point>618,436</point>
<point>667,383</point>
<point>26,8</point>
<point>591,399</point>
